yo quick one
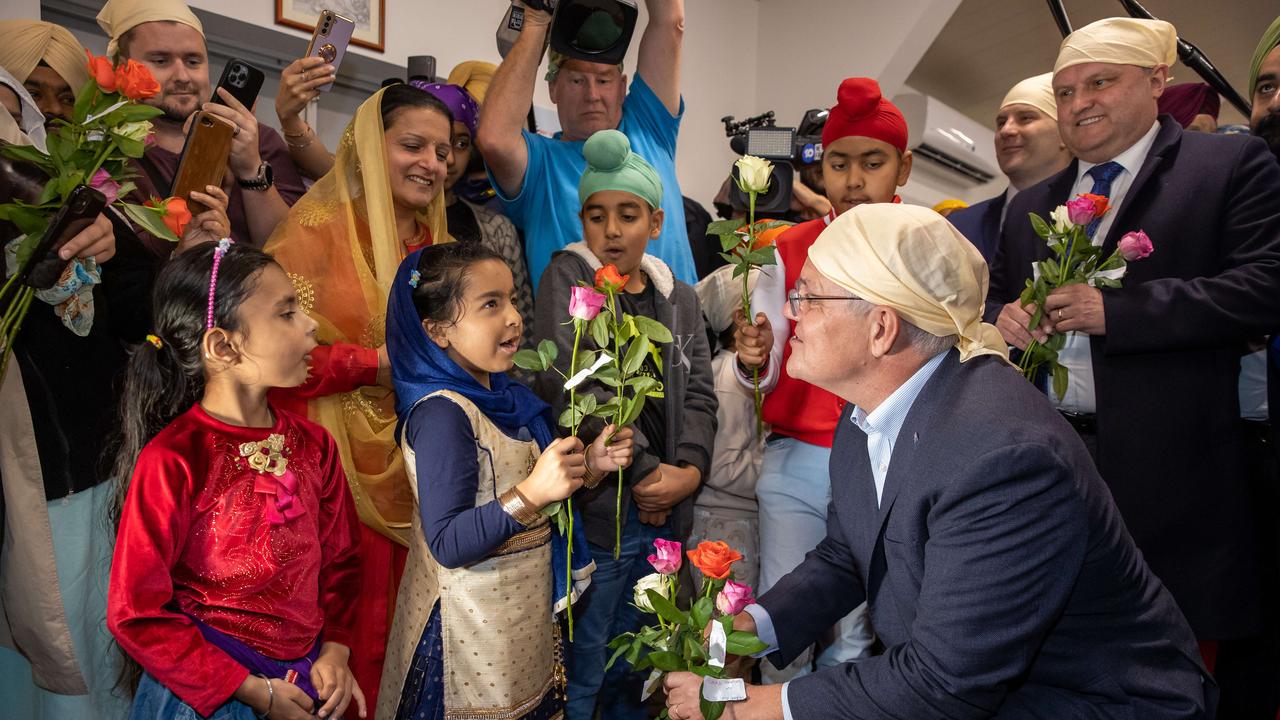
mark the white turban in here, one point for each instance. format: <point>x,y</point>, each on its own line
<point>1120,41</point>
<point>120,16</point>
<point>911,259</point>
<point>1034,91</point>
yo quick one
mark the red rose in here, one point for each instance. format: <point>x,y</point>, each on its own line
<point>135,81</point>
<point>1100,203</point>
<point>608,278</point>
<point>102,72</point>
<point>714,558</point>
<point>173,212</point>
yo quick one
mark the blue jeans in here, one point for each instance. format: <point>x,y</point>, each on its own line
<point>604,612</point>
<point>154,701</point>
<point>794,491</point>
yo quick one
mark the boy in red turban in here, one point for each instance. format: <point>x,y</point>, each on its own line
<point>865,159</point>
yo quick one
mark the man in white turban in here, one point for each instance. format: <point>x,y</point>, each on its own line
<point>1154,364</point>
<point>1028,150</point>
<point>166,37</point>
<point>964,511</point>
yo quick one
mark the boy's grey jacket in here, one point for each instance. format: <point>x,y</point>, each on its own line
<point>687,379</point>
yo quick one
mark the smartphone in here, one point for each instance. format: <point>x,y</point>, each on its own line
<point>81,209</point>
<point>242,80</point>
<point>329,41</point>
<point>204,158</point>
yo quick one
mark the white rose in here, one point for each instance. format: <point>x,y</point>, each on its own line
<point>754,174</point>
<point>134,130</point>
<point>656,582</point>
<point>1061,219</point>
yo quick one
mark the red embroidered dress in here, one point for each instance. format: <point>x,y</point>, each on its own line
<point>270,560</point>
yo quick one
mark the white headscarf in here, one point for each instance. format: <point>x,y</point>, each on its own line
<point>1120,41</point>
<point>1034,91</point>
<point>911,259</point>
<point>30,130</point>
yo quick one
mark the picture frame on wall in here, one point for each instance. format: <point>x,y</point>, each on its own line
<point>370,17</point>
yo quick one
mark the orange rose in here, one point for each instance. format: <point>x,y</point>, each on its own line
<point>1100,203</point>
<point>714,558</point>
<point>135,81</point>
<point>767,238</point>
<point>608,278</point>
<point>102,72</point>
<point>173,212</point>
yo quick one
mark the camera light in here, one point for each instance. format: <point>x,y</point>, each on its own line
<point>771,143</point>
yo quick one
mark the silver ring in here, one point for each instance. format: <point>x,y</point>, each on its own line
<point>1059,314</point>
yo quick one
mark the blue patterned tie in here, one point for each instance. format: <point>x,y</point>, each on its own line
<point>1102,175</point>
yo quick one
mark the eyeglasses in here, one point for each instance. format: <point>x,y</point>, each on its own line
<point>800,303</point>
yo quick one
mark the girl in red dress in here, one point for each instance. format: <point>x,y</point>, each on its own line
<point>236,558</point>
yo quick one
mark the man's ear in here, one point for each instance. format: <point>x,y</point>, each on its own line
<point>886,327</point>
<point>218,346</point>
<point>1159,79</point>
<point>655,223</point>
<point>904,167</point>
<point>436,332</point>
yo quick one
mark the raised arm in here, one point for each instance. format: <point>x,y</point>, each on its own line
<point>507,105</point>
<point>659,62</point>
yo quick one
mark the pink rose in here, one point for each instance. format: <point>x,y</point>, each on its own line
<point>585,303</point>
<point>1135,246</point>
<point>733,598</point>
<point>103,183</point>
<point>666,558</point>
<point>1081,210</point>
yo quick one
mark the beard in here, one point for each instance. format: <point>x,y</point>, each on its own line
<point>1268,128</point>
<point>177,109</point>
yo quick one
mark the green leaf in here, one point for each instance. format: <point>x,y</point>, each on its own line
<point>710,710</point>
<point>1059,380</point>
<point>1040,226</point>
<point>587,403</point>
<point>149,220</point>
<point>548,352</point>
<point>730,242</point>
<point>571,417</point>
<point>607,410</point>
<point>616,654</point>
<point>693,648</point>
<point>621,640</point>
<point>1106,282</point>
<point>665,608</point>
<point>726,227</point>
<point>626,329</point>
<point>529,360</point>
<point>130,147</point>
<point>633,410</point>
<point>700,613</point>
<point>643,384</point>
<point>763,256</point>
<point>600,330</point>
<point>608,375</point>
<point>744,644</point>
<point>85,101</point>
<point>133,112</point>
<point>666,661</point>
<point>635,354</point>
<point>654,330</point>
<point>585,360</point>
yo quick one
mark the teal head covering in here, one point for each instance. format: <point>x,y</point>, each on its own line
<point>612,166</point>
<point>1270,39</point>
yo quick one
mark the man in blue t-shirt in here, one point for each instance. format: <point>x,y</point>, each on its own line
<point>537,177</point>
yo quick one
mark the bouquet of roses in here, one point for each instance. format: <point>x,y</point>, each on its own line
<point>108,127</point>
<point>677,642</point>
<point>609,330</point>
<point>1073,259</point>
<point>745,247</point>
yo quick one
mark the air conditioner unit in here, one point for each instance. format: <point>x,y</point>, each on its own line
<point>940,134</point>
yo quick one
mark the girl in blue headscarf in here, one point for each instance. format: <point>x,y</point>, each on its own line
<point>475,630</point>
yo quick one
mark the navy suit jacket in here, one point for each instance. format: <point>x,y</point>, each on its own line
<point>981,224</point>
<point>999,575</point>
<point>1167,370</point>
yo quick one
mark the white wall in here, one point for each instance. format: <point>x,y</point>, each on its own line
<point>17,9</point>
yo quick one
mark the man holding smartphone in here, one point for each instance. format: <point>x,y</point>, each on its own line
<point>169,39</point>
<point>537,177</point>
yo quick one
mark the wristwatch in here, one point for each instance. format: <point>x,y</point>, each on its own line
<point>262,181</point>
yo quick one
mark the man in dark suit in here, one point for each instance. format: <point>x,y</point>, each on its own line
<point>1154,364</point>
<point>999,575</point>
<point>1028,149</point>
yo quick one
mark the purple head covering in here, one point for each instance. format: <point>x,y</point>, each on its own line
<point>1187,100</point>
<point>461,104</point>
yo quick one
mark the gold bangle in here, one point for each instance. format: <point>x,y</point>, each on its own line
<point>306,129</point>
<point>519,508</point>
<point>593,477</point>
<point>306,144</point>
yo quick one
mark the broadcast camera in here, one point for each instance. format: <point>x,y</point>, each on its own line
<point>597,31</point>
<point>760,136</point>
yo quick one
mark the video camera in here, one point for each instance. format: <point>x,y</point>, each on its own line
<point>761,136</point>
<point>597,31</point>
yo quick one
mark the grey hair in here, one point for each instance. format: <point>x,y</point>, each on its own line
<point>922,341</point>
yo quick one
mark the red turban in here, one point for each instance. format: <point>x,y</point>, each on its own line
<point>1184,102</point>
<point>861,110</point>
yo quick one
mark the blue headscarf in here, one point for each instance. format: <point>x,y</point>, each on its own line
<point>419,367</point>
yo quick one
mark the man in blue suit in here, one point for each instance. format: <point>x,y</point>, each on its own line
<point>1028,149</point>
<point>965,512</point>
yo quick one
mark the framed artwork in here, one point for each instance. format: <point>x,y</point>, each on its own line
<point>370,17</point>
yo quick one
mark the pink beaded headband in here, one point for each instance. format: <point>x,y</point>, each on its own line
<point>223,245</point>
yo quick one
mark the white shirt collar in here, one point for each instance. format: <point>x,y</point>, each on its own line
<point>1131,160</point>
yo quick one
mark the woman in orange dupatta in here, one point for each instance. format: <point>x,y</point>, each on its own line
<point>341,245</point>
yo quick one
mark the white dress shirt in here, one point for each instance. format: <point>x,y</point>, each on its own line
<point>1075,355</point>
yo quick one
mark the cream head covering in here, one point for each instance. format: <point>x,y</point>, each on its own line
<point>1120,41</point>
<point>911,259</point>
<point>1034,91</point>
<point>25,43</point>
<point>120,16</point>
